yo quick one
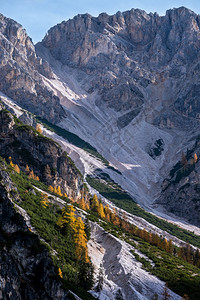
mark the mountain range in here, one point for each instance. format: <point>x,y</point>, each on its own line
<point>117,100</point>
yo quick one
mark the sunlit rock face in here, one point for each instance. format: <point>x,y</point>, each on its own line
<point>21,72</point>
<point>126,54</point>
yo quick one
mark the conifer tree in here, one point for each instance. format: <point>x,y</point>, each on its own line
<point>107,212</point>
<point>95,203</point>
<point>44,201</point>
<point>87,206</point>
<point>11,164</point>
<point>100,279</point>
<point>81,240</point>
<point>67,220</point>
<point>60,273</point>
<point>165,245</point>
<point>101,211</point>
<point>50,188</point>
<point>59,191</point>
<point>82,203</point>
<point>170,247</point>
<point>184,161</point>
<point>27,170</point>
<point>114,217</point>
<point>195,158</point>
<point>39,128</point>
<point>31,174</point>
<point>17,169</point>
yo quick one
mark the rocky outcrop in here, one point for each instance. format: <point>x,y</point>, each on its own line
<point>126,55</point>
<point>45,157</point>
<point>118,270</point>
<point>21,72</point>
<point>180,191</point>
<point>26,269</point>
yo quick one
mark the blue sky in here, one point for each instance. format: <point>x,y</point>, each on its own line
<point>37,16</point>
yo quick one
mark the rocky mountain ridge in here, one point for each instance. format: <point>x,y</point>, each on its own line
<point>22,71</point>
<point>125,53</point>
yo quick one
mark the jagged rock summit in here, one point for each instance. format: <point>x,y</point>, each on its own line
<point>22,71</point>
<point>124,54</point>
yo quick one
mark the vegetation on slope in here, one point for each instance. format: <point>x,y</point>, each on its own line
<point>121,199</point>
<point>46,217</point>
<point>74,271</point>
<point>180,276</point>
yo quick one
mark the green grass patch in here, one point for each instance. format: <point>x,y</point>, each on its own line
<point>180,276</point>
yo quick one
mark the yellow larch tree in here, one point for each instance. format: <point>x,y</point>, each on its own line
<point>165,245</point>
<point>81,240</point>
<point>107,212</point>
<point>17,169</point>
<point>50,188</point>
<point>27,170</point>
<point>60,273</point>
<point>87,206</point>
<point>67,218</point>
<point>11,164</point>
<point>82,203</point>
<point>31,174</point>
<point>101,211</point>
<point>114,217</point>
<point>39,128</point>
<point>55,190</point>
<point>44,201</point>
<point>95,203</point>
<point>195,158</point>
<point>59,193</point>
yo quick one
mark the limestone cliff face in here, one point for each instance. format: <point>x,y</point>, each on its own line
<point>180,191</point>
<point>26,269</point>
<point>21,70</point>
<point>43,155</point>
<point>133,57</point>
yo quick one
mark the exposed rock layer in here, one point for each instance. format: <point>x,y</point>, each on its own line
<point>21,70</point>
<point>125,53</point>
<point>42,155</point>
<point>181,190</point>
